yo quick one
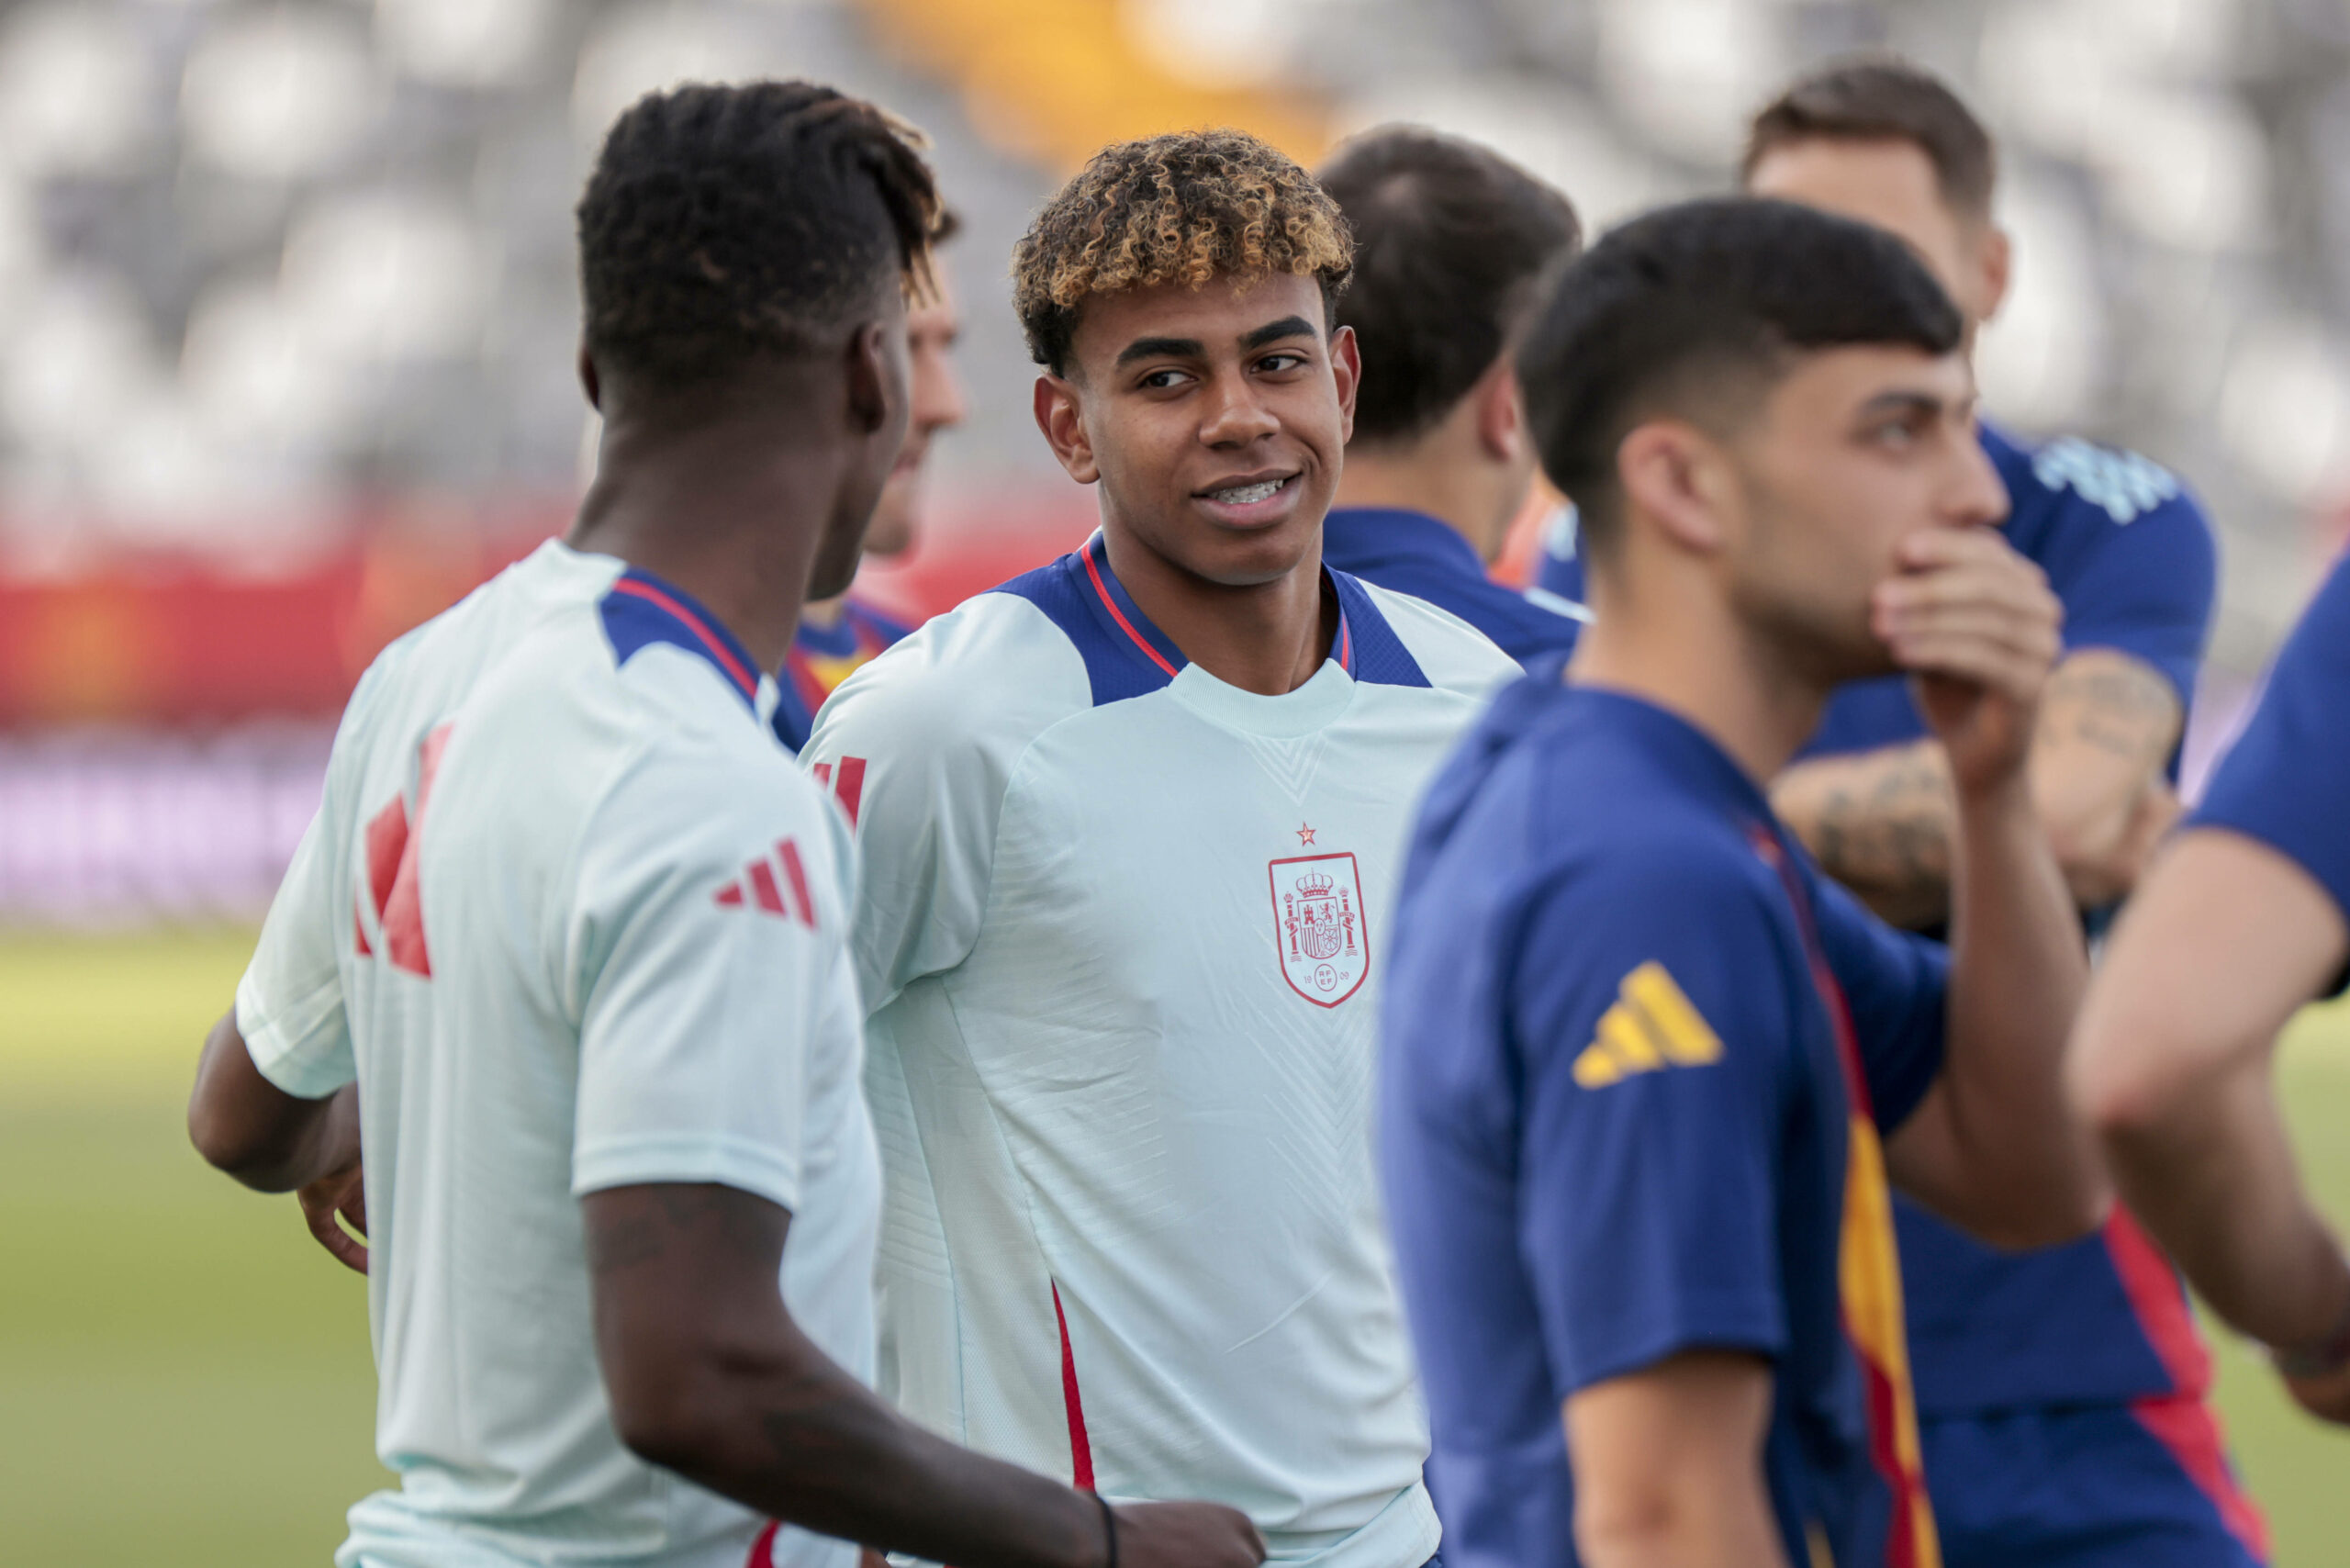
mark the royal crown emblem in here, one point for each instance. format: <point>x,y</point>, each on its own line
<point>1319,926</point>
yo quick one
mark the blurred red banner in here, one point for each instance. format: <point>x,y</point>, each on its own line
<point>157,639</point>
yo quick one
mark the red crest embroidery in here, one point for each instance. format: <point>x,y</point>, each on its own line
<point>1319,927</point>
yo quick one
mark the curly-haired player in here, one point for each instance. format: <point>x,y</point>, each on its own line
<point>1132,825</point>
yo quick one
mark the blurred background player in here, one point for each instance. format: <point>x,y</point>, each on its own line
<point>1640,1054</point>
<point>2245,918</point>
<point>2065,1393</point>
<point>1451,240</point>
<point>1131,826</point>
<point>836,635</point>
<point>569,938</point>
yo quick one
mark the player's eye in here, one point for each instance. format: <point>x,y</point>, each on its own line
<point>1161,380</point>
<point>1278,363</point>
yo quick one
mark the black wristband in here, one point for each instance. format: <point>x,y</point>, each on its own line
<point>1109,1530</point>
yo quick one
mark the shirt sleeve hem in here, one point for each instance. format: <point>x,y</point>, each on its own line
<point>678,1157</point>
<point>1753,1323</point>
<point>280,1057</point>
<point>2291,845</point>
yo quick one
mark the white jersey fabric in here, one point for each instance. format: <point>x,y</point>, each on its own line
<point>1119,922</point>
<point>572,920</point>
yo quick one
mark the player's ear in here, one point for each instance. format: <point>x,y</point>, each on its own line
<point>1062,419</point>
<point>1998,268</point>
<point>876,381</point>
<point>589,382</point>
<point>1501,413</point>
<point>1346,368</point>
<point>1671,473</point>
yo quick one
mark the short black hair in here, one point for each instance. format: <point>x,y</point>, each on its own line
<point>724,224</point>
<point>1702,305</point>
<point>1881,97</point>
<point>1451,243</point>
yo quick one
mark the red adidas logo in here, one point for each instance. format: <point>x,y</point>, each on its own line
<point>850,789</point>
<point>756,888</point>
<point>392,883</point>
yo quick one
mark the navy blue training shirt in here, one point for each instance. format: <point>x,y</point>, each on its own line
<point>1637,1052</point>
<point>2103,1320</point>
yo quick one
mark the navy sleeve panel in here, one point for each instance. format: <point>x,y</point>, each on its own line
<point>1895,984</point>
<point>2125,545</point>
<point>2286,780</point>
<point>1650,1015</point>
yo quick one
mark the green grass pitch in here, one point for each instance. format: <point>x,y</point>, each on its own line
<point>184,1377</point>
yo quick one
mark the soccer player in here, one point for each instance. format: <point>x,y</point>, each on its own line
<point>1132,825</point>
<point>1647,1072</point>
<point>2242,919</point>
<point>836,635</point>
<point>1451,240</point>
<point>2065,1393</point>
<point>569,939</point>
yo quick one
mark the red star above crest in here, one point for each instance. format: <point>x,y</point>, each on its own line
<point>1305,834</point>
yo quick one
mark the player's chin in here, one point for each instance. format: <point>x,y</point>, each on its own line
<point>835,566</point>
<point>1246,560</point>
<point>891,531</point>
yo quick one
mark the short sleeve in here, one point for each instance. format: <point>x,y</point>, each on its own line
<point>918,748</point>
<point>1649,1009</point>
<point>2144,586</point>
<point>290,1007</point>
<point>704,952</point>
<point>290,1002</point>
<point>1896,986</point>
<point>2287,779</point>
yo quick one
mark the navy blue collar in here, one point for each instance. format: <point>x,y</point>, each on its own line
<point>1126,656</point>
<point>640,609</point>
<point>1155,645</point>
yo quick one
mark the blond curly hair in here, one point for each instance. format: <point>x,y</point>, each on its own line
<point>1175,208</point>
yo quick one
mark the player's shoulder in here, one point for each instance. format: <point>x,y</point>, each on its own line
<point>1400,636</point>
<point>995,669</point>
<point>628,667</point>
<point>2071,482</point>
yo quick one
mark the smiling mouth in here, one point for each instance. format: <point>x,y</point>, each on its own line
<point>1248,495</point>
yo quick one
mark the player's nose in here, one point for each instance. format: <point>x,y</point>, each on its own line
<point>1977,497</point>
<point>940,401</point>
<point>1234,414</point>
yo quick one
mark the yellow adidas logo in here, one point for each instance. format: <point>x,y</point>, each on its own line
<point>1651,1025</point>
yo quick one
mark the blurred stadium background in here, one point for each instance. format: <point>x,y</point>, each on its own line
<point>286,322</point>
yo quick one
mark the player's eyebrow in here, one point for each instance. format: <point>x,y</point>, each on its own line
<point>1922,405</point>
<point>1273,331</point>
<point>1155,348</point>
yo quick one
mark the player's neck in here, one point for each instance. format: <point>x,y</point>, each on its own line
<point>1268,638</point>
<point>704,509</point>
<point>1697,659</point>
<point>1428,476</point>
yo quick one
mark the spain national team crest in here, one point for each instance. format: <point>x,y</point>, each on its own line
<point>1319,927</point>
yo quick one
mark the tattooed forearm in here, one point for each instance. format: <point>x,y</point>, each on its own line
<point>1880,823</point>
<point>2112,702</point>
<point>2107,729</point>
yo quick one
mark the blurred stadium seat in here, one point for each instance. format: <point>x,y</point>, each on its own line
<point>273,273</point>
